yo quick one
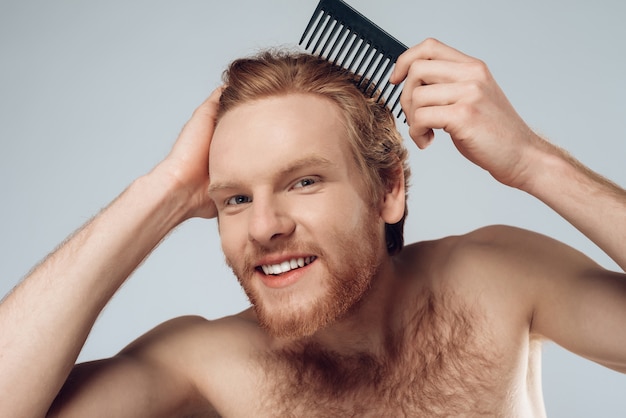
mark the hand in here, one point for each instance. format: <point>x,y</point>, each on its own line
<point>187,164</point>
<point>446,89</point>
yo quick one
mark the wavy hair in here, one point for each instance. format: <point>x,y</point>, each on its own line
<point>377,145</point>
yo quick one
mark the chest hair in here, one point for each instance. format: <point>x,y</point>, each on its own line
<point>439,363</point>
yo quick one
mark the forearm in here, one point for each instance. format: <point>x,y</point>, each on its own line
<point>591,203</point>
<point>45,321</point>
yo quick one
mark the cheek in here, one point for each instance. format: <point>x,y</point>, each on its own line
<point>232,235</point>
<point>349,211</point>
<point>340,217</point>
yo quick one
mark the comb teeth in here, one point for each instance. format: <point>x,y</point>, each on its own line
<point>342,35</point>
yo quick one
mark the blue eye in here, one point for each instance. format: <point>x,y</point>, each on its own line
<point>305,182</point>
<point>238,200</point>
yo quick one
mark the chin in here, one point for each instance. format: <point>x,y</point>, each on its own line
<point>289,316</point>
<point>295,318</point>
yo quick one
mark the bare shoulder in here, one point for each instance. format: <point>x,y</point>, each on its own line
<point>198,338</point>
<point>182,367</point>
<point>499,268</point>
<point>207,358</point>
<point>524,254</point>
<point>507,250</point>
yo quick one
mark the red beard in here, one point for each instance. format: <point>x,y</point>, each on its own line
<point>347,277</point>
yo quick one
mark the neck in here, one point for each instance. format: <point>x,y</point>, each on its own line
<point>369,327</point>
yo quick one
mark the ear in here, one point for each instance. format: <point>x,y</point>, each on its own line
<point>393,203</point>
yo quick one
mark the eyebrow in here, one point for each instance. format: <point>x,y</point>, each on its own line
<point>310,161</point>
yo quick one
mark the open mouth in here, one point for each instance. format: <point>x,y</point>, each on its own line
<point>285,266</point>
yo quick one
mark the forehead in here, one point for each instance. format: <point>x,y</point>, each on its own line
<point>255,136</point>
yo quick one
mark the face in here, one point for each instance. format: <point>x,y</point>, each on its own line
<point>294,221</point>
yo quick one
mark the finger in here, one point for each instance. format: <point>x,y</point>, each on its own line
<point>422,138</point>
<point>425,96</point>
<point>212,102</point>
<point>430,49</point>
<point>198,130</point>
<point>206,112</point>
<point>425,121</point>
<point>437,95</point>
<point>435,73</point>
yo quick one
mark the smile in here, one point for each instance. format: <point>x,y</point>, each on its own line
<point>285,266</point>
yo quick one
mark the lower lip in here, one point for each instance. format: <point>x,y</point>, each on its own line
<point>285,279</point>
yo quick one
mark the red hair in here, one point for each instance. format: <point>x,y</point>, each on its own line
<point>376,143</point>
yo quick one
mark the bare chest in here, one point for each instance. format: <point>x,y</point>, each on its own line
<point>441,363</point>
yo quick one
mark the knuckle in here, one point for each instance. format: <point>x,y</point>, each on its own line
<point>466,112</point>
<point>405,100</point>
<point>415,94</point>
<point>430,43</point>
<point>474,89</point>
<point>413,70</point>
<point>480,70</point>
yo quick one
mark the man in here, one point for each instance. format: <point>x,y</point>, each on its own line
<point>307,180</point>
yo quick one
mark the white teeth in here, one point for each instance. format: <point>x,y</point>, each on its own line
<point>286,266</point>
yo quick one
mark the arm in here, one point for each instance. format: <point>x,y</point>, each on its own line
<point>448,90</point>
<point>154,376</point>
<point>45,321</point>
<point>574,301</point>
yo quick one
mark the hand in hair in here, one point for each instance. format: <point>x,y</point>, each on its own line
<point>187,164</point>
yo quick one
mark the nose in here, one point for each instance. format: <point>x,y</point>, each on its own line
<point>269,221</point>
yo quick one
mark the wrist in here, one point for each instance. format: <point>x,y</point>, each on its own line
<point>550,172</point>
<point>543,162</point>
<point>163,199</point>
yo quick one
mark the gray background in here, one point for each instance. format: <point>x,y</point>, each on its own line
<point>92,95</point>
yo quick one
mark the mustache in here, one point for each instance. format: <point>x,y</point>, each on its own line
<point>247,262</point>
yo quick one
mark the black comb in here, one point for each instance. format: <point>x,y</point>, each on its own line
<point>345,37</point>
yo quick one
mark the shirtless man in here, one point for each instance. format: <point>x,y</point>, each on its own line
<point>345,321</point>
